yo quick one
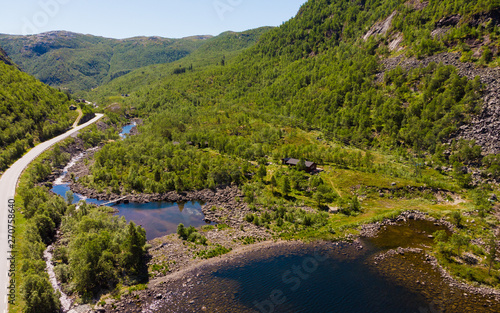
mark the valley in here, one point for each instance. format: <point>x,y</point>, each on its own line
<point>77,62</point>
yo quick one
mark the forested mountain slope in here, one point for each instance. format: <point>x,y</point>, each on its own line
<point>214,51</point>
<point>30,112</point>
<point>323,70</point>
<point>80,62</point>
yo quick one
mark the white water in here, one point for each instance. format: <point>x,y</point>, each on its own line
<point>47,254</point>
<point>59,180</point>
<point>65,300</point>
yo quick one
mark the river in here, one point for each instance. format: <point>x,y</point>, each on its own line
<point>314,277</point>
<point>157,218</point>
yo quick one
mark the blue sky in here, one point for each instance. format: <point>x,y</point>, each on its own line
<point>128,18</point>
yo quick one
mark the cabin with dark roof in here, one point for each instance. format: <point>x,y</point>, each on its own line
<point>310,166</point>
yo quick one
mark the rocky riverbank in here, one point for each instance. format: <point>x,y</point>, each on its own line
<point>171,253</point>
<point>372,230</point>
<point>445,276</point>
<point>462,285</point>
<point>177,286</point>
<point>413,269</point>
<point>180,285</point>
<point>223,204</point>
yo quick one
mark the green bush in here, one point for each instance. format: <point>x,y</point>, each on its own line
<point>62,272</point>
<point>249,217</point>
<point>213,252</point>
<point>38,294</point>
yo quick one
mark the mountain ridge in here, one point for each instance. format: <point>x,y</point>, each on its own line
<point>64,33</point>
<point>78,62</point>
<point>225,46</point>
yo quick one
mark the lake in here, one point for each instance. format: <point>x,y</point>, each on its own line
<point>326,277</point>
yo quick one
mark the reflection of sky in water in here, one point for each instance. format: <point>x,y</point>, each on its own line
<point>327,285</point>
<point>62,189</point>
<point>162,218</point>
<point>126,130</point>
<point>157,218</point>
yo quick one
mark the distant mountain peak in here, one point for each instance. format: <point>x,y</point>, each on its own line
<point>57,33</point>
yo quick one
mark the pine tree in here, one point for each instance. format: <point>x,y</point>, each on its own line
<point>285,187</point>
<point>134,247</point>
<point>273,183</point>
<point>262,172</point>
<point>39,295</point>
<point>492,253</point>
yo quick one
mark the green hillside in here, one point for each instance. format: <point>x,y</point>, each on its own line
<point>223,47</point>
<point>317,88</point>
<point>375,92</point>
<point>81,62</point>
<point>5,58</point>
<point>302,73</point>
<point>319,71</point>
<point>30,112</point>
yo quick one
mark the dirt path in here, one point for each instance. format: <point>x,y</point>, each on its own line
<point>80,115</point>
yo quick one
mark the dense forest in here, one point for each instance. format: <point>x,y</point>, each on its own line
<point>30,112</point>
<point>295,76</point>
<point>5,58</point>
<point>191,147</point>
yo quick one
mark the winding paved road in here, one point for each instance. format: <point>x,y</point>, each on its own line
<point>8,183</point>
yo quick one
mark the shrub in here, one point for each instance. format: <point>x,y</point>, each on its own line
<point>266,217</point>
<point>249,217</point>
<point>39,295</point>
<point>62,273</point>
<point>210,253</point>
<point>61,253</point>
<point>456,217</point>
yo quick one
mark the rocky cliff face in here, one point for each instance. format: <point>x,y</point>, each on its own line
<point>484,127</point>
